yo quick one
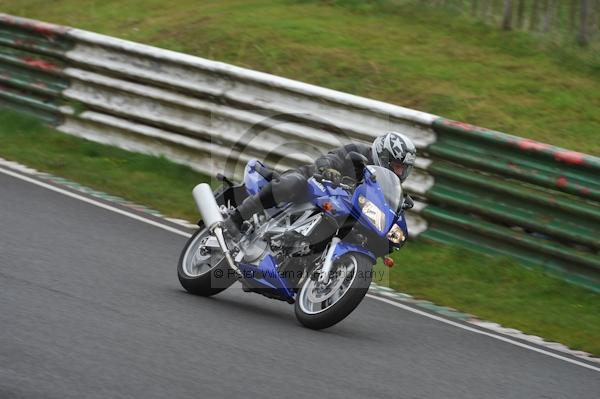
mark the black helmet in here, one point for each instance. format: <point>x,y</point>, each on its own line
<point>396,152</point>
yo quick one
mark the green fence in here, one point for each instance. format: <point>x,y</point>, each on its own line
<point>31,67</point>
<point>507,195</point>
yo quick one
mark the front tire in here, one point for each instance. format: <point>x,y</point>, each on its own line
<point>202,272</point>
<point>317,308</point>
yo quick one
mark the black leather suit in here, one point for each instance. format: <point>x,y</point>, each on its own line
<point>291,186</point>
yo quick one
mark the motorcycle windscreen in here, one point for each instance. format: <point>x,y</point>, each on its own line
<point>390,186</point>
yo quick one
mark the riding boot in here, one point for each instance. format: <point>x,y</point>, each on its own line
<point>248,207</point>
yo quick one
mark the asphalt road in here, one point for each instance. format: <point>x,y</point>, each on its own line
<point>90,307</point>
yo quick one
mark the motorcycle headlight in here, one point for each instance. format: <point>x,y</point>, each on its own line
<point>396,235</point>
<point>372,212</point>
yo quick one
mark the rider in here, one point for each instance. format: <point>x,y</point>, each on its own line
<point>394,151</point>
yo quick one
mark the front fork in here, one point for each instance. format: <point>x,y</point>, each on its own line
<point>328,261</point>
<point>337,248</point>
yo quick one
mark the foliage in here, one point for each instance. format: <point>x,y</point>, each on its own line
<point>557,20</point>
<point>426,57</point>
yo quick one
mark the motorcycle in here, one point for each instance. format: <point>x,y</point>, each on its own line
<point>317,255</point>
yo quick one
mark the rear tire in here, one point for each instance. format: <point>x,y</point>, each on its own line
<point>307,310</point>
<point>208,280</point>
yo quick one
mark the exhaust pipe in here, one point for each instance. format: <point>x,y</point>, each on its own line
<point>213,220</point>
<point>205,201</point>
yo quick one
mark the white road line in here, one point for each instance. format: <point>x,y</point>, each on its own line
<point>388,301</point>
<point>96,203</point>
<point>475,330</point>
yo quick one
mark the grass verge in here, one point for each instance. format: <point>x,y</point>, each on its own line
<point>396,51</point>
<point>497,289</point>
<point>501,290</point>
<point>156,182</point>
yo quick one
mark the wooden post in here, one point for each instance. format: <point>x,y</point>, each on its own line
<point>583,35</point>
<point>507,17</point>
<point>573,14</point>
<point>533,20</point>
<point>549,15</point>
<point>521,14</point>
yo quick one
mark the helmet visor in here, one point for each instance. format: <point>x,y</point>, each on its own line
<point>401,170</point>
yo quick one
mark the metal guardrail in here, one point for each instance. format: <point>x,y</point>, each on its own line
<point>486,190</point>
<point>512,196</point>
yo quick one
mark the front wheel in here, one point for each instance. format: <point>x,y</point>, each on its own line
<point>203,270</point>
<point>321,305</point>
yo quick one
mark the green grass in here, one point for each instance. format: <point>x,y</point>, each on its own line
<point>499,289</point>
<point>492,288</point>
<point>395,51</point>
<point>151,181</point>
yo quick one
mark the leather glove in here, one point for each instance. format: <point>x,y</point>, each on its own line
<point>408,202</point>
<point>332,175</point>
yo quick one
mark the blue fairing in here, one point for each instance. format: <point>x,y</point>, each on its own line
<point>338,198</point>
<point>344,248</point>
<point>252,179</point>
<point>342,204</point>
<point>377,189</point>
<point>267,275</point>
<point>401,221</point>
<point>371,190</point>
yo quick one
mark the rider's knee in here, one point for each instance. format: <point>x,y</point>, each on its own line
<point>291,186</point>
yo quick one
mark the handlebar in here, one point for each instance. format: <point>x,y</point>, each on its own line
<point>321,179</point>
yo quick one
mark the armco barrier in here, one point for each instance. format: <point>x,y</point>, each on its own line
<point>474,187</point>
<point>512,196</point>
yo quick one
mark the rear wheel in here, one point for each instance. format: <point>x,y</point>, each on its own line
<point>321,305</point>
<point>203,270</point>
